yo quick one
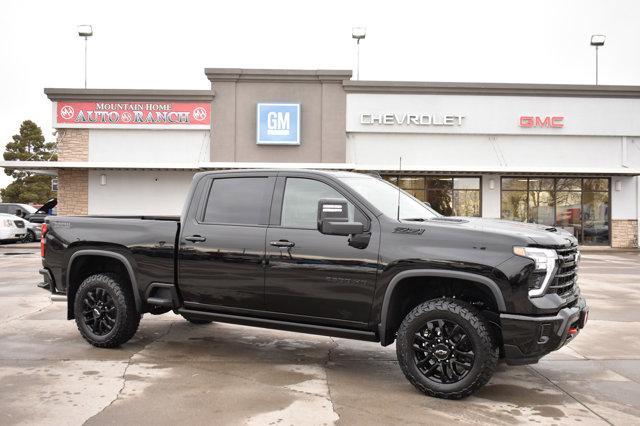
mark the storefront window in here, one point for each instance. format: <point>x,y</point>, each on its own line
<point>580,206</point>
<point>450,196</point>
<point>414,185</point>
<point>514,205</point>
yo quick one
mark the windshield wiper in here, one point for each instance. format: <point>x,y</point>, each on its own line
<point>414,219</point>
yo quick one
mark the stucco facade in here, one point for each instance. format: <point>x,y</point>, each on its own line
<point>481,139</point>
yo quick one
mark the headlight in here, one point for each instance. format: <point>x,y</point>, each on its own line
<point>545,265</point>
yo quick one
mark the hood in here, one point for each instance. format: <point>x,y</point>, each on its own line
<point>535,233</point>
<point>13,218</point>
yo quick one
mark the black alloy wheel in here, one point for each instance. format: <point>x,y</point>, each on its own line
<point>443,351</point>
<point>446,348</point>
<point>99,311</point>
<point>105,310</point>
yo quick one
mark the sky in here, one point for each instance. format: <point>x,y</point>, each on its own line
<point>167,44</point>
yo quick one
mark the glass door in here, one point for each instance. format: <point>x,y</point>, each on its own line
<point>595,211</point>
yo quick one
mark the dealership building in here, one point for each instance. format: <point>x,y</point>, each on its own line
<point>561,155</point>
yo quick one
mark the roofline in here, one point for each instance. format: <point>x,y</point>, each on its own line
<point>276,75</point>
<point>494,89</point>
<point>55,94</point>
<point>434,170</point>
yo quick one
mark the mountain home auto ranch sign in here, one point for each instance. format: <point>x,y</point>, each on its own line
<point>190,115</point>
<point>408,119</point>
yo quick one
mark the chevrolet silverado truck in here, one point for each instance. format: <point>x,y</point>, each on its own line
<point>330,253</point>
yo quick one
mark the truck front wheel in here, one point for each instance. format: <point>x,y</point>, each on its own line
<point>105,311</point>
<point>445,349</point>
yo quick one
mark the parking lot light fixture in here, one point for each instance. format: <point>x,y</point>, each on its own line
<point>358,33</point>
<point>85,31</point>
<point>597,40</point>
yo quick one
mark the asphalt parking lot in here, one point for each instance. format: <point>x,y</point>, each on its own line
<point>173,371</point>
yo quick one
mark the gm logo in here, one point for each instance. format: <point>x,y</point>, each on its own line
<point>278,124</point>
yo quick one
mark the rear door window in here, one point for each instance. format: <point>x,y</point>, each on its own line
<point>239,201</point>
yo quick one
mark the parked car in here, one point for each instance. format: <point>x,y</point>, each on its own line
<point>331,253</point>
<point>17,209</point>
<point>33,229</point>
<point>11,230</point>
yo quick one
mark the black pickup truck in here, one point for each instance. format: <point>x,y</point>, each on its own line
<point>331,253</point>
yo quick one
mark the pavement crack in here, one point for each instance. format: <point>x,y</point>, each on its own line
<point>18,318</point>
<point>124,373</point>
<point>334,346</point>
<point>557,386</point>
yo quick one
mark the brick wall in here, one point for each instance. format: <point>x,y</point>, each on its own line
<point>73,145</point>
<point>73,192</point>
<point>624,233</point>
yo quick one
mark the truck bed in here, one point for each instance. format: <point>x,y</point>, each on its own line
<point>147,242</point>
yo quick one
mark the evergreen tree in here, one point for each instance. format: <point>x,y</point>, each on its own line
<point>29,145</point>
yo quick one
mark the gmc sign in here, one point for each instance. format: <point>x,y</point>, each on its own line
<point>529,121</point>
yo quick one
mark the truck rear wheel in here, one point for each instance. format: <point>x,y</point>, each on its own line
<point>445,349</point>
<point>105,311</point>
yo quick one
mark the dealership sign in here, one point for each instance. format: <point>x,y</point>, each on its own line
<point>408,119</point>
<point>278,124</point>
<point>552,122</point>
<point>107,114</point>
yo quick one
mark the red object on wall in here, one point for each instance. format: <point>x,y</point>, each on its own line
<point>132,114</point>
<point>539,121</point>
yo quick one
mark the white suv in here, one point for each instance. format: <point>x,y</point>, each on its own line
<point>11,230</point>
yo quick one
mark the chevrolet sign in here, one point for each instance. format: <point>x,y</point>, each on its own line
<point>409,119</point>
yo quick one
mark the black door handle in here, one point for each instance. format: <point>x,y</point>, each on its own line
<point>282,243</point>
<point>195,239</point>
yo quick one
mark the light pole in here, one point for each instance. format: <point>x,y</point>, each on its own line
<point>85,31</point>
<point>358,33</point>
<point>597,40</point>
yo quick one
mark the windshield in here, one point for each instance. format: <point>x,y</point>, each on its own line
<point>384,196</point>
<point>28,208</point>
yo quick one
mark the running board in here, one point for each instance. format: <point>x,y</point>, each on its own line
<point>322,330</point>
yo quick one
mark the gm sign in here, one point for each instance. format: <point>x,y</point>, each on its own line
<point>278,124</point>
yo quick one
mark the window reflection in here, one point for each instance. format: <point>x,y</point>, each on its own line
<point>580,206</point>
<point>450,196</point>
<point>514,205</point>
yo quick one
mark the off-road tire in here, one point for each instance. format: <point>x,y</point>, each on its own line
<point>474,325</point>
<point>197,321</point>
<point>127,317</point>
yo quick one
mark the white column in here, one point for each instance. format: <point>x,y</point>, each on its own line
<point>491,196</point>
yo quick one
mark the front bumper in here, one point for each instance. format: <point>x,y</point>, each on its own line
<point>526,339</point>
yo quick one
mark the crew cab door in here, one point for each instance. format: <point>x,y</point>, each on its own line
<point>313,277</point>
<point>222,243</point>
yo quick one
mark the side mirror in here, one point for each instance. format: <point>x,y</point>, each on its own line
<point>333,218</point>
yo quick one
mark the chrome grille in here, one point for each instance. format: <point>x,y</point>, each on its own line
<point>19,223</point>
<point>564,280</point>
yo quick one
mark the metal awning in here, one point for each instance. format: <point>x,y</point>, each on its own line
<point>46,167</point>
